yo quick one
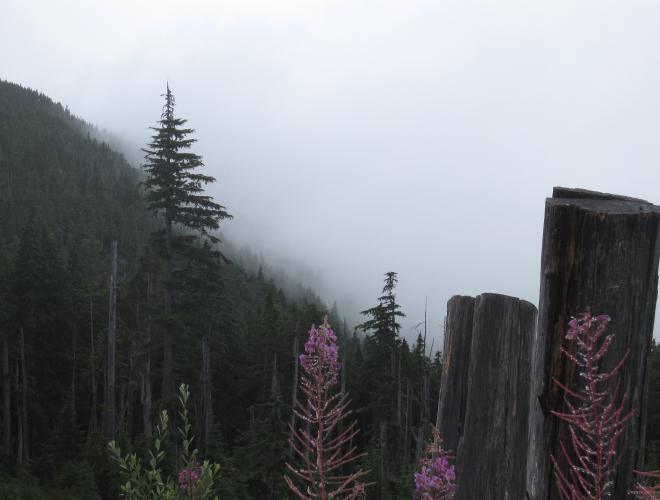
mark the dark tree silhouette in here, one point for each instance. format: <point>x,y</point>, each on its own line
<point>175,192</point>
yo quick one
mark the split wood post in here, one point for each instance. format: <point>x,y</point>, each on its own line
<point>493,448</point>
<point>455,363</point>
<point>600,253</point>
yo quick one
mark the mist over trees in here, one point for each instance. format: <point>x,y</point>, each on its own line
<point>184,308</point>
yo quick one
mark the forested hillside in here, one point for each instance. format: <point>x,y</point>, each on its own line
<point>65,196</point>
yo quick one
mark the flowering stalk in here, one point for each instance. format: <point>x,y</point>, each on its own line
<point>596,416</point>
<point>320,450</point>
<point>648,492</point>
<point>436,479</point>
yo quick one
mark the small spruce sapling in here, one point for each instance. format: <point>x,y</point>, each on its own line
<point>596,415</point>
<point>321,450</point>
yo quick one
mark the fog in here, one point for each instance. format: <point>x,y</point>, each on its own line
<point>352,138</point>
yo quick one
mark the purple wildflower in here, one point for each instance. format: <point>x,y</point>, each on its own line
<point>595,413</point>
<point>574,329</point>
<point>321,353</point>
<point>321,446</point>
<point>436,479</point>
<point>188,477</point>
<point>586,324</point>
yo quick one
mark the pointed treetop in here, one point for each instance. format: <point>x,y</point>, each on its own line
<point>174,185</point>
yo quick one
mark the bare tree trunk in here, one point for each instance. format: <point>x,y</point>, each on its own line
<point>26,440</point>
<point>384,493</point>
<point>425,309</point>
<point>120,412</point>
<point>6,396</point>
<point>274,382</point>
<point>398,387</point>
<point>127,417</point>
<point>344,361</point>
<point>92,365</point>
<point>110,401</point>
<point>423,416</point>
<point>265,363</point>
<point>342,376</point>
<point>73,369</point>
<point>207,406</point>
<point>19,420</point>
<point>392,384</point>
<point>294,392</point>
<point>168,382</point>
<point>145,393</point>
<point>406,429</point>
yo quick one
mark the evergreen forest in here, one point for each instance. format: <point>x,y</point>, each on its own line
<point>116,287</point>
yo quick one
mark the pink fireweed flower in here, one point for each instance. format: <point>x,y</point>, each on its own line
<point>594,411</point>
<point>586,324</point>
<point>321,353</point>
<point>324,448</point>
<point>436,479</point>
<point>188,477</point>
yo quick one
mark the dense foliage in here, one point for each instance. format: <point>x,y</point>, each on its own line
<point>143,479</point>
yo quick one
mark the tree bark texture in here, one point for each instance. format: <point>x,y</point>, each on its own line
<point>600,255</point>
<point>491,457</point>
<point>455,363</point>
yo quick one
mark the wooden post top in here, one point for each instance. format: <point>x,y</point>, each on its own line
<point>490,296</point>
<point>595,201</point>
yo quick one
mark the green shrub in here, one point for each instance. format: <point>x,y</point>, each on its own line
<point>143,479</point>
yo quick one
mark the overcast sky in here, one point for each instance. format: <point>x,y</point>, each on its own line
<point>358,137</point>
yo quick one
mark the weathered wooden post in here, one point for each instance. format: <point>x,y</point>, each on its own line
<point>455,364</point>
<point>493,447</point>
<point>600,253</point>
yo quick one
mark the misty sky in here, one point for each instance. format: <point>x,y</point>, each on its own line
<point>358,137</point>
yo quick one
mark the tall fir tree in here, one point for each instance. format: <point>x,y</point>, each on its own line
<point>175,192</point>
<point>381,349</point>
<point>382,319</point>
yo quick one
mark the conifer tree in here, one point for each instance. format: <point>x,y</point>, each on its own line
<point>175,192</point>
<point>382,320</point>
<point>382,343</point>
<point>382,327</point>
